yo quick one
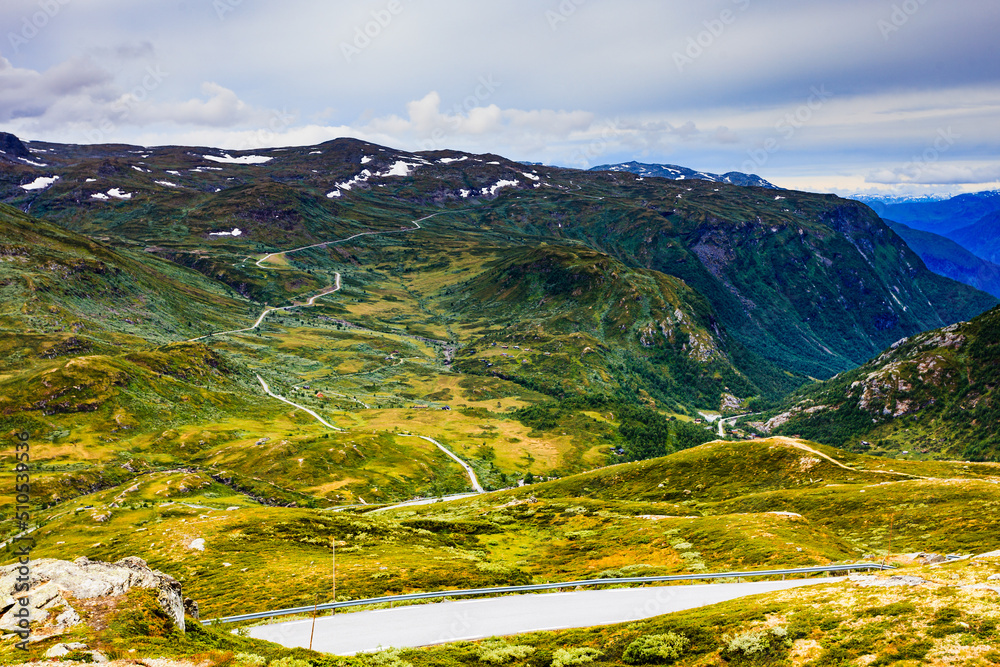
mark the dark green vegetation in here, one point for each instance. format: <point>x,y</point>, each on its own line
<point>934,395</point>
<point>643,432</point>
<point>538,322</point>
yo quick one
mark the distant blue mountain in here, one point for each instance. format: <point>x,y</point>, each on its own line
<point>940,217</point>
<point>947,258</point>
<point>677,173</point>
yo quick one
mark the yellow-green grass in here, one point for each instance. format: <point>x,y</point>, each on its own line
<point>945,621</point>
<point>282,555</point>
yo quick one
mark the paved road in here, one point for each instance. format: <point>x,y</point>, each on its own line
<point>267,311</point>
<point>468,468</point>
<point>267,390</point>
<point>423,624</point>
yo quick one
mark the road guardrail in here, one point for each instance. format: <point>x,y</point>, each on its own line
<point>326,606</point>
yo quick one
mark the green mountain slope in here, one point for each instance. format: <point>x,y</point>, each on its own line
<point>572,320</point>
<point>64,293</point>
<point>932,394</point>
<point>813,283</point>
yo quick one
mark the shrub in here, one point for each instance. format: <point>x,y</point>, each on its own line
<point>652,649</point>
<point>499,652</point>
<point>753,644</point>
<point>912,651</point>
<point>290,662</point>
<point>388,658</point>
<point>249,660</point>
<point>564,657</point>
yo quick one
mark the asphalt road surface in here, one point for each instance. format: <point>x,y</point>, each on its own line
<point>436,623</point>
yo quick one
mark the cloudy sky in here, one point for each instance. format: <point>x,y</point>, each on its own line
<point>894,96</point>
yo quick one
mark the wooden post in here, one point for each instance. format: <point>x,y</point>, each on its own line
<point>889,549</point>
<point>312,630</point>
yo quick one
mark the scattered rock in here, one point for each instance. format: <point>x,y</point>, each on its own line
<point>993,577</point>
<point>59,650</point>
<point>191,608</point>
<point>51,581</point>
<point>198,544</point>
<point>989,554</point>
<point>930,559</point>
<point>866,580</point>
<point>982,587</point>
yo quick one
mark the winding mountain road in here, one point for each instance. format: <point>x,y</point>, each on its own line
<point>468,468</point>
<point>311,302</point>
<point>267,390</point>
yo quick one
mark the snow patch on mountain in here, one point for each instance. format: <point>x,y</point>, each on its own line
<point>40,183</point>
<point>243,159</point>
<point>499,184</point>
<point>398,168</point>
<point>360,178</point>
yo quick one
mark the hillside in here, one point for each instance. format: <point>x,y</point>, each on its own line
<point>947,258</point>
<point>824,271</point>
<point>933,395</point>
<point>64,293</point>
<point>573,321</point>
<point>982,238</point>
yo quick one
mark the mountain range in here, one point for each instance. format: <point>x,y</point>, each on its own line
<point>945,257</point>
<point>677,173</point>
<point>151,293</point>
<point>231,362</point>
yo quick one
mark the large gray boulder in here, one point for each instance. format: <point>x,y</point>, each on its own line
<point>51,581</point>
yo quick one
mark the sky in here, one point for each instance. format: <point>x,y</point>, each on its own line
<point>845,96</point>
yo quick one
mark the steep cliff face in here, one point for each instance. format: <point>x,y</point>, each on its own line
<point>934,393</point>
<point>813,283</point>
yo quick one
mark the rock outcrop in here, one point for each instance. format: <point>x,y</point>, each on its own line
<point>53,582</point>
